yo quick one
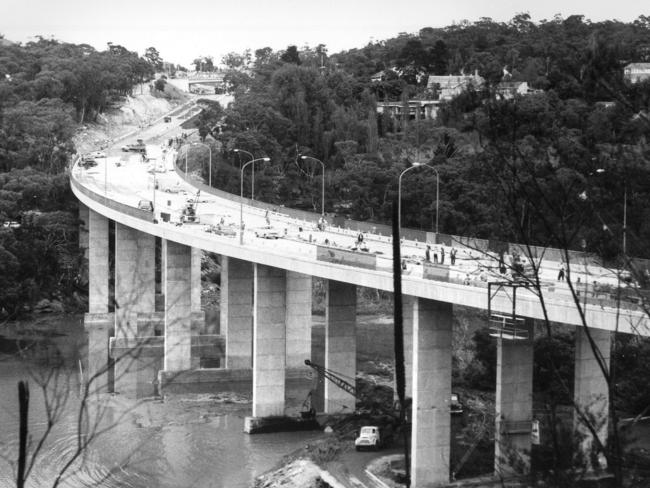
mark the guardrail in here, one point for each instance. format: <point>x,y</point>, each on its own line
<point>107,202</point>
<point>359,259</point>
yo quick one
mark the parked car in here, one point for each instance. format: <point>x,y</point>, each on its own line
<point>145,205</point>
<point>95,155</point>
<point>139,147</point>
<point>369,438</point>
<point>10,224</point>
<point>267,232</point>
<point>456,406</point>
<point>89,163</point>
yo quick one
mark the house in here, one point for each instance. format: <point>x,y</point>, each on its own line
<point>448,87</point>
<point>422,109</point>
<point>635,72</point>
<point>507,90</point>
<point>378,77</point>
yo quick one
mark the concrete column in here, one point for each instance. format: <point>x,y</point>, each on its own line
<point>135,286</point>
<point>340,343</point>
<point>178,314</point>
<point>98,326</point>
<point>197,253</point>
<point>135,291</point>
<point>514,404</point>
<point>97,263</point>
<point>408,303</point>
<point>84,218</point>
<point>269,340</point>
<point>237,311</point>
<point>591,392</point>
<point>431,416</point>
<point>298,319</point>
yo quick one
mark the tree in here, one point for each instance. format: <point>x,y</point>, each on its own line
<point>153,58</point>
<point>290,55</point>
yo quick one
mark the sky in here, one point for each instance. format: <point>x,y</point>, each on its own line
<point>184,30</point>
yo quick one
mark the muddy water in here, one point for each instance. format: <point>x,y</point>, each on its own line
<point>184,441</point>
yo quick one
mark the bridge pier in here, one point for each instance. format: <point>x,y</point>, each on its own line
<point>514,404</point>
<point>431,416</point>
<point>98,322</point>
<point>178,306</point>
<point>236,314</point>
<point>340,343</point>
<point>135,288</point>
<point>269,340</point>
<point>591,393</point>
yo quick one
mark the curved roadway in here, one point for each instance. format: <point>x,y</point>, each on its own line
<point>120,181</point>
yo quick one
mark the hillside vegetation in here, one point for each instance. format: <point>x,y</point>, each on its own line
<point>306,102</point>
<point>47,89</point>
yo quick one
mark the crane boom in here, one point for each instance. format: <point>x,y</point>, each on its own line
<point>337,380</point>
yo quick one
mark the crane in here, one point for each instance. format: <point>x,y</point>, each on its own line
<point>189,212</point>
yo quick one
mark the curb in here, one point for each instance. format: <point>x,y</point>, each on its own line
<point>375,479</point>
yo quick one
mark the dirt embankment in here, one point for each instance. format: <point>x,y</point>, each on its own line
<point>136,111</point>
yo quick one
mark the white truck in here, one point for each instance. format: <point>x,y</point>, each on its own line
<point>369,438</point>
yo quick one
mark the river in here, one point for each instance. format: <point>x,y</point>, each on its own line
<point>195,440</point>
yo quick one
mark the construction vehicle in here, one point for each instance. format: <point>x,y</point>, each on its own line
<point>385,423</point>
<point>139,147</point>
<point>369,437</point>
<point>189,212</point>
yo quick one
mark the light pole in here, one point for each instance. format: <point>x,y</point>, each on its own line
<point>322,205</point>
<point>399,192</point>
<point>187,150</point>
<point>253,175</point>
<point>241,196</point>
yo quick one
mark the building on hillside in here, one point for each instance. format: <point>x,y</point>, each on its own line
<point>425,109</point>
<point>448,87</point>
<point>507,90</point>
<point>378,77</point>
<point>635,72</point>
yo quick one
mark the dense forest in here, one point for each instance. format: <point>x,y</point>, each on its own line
<point>582,131</point>
<point>47,89</point>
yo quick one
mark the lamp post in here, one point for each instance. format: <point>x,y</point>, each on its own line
<point>399,192</point>
<point>253,175</point>
<point>322,205</point>
<point>187,150</point>
<point>241,196</point>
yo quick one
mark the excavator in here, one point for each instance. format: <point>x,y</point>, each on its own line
<point>189,212</point>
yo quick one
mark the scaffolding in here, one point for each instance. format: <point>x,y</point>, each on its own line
<point>503,325</point>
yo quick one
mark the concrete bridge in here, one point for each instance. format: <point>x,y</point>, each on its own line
<point>265,309</point>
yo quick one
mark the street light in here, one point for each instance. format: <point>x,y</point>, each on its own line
<point>241,196</point>
<point>399,192</point>
<point>210,162</point>
<point>253,174</point>
<point>322,205</point>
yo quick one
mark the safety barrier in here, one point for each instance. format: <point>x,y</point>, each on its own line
<point>358,259</point>
<point>107,202</point>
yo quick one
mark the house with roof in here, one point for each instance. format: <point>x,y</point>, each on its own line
<point>507,90</point>
<point>417,109</point>
<point>448,87</point>
<point>635,72</point>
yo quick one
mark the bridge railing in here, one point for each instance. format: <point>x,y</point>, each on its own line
<point>107,202</point>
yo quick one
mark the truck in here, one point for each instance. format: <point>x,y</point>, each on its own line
<point>369,438</point>
<point>139,147</point>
